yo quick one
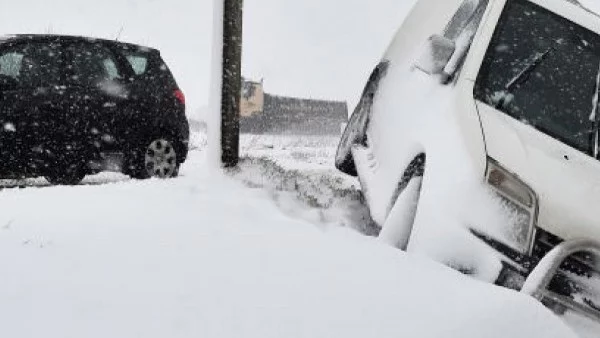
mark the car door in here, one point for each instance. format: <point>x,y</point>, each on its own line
<point>29,104</point>
<point>145,88</point>
<point>99,94</point>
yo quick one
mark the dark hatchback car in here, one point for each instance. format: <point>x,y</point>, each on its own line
<point>73,106</point>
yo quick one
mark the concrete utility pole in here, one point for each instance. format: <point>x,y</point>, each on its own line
<point>227,79</point>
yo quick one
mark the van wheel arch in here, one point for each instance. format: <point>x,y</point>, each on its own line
<point>416,168</point>
<point>398,226</point>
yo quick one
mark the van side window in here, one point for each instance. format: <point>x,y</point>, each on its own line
<point>461,30</point>
<point>542,70</point>
<point>469,13</point>
<point>32,65</point>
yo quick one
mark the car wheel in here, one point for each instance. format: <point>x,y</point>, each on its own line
<point>65,175</point>
<point>157,158</point>
<point>398,226</point>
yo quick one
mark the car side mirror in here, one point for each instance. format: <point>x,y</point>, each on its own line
<point>438,51</point>
<point>8,83</point>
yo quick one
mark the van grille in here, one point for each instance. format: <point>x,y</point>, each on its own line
<point>581,264</point>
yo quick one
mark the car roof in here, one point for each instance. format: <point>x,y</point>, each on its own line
<point>70,38</point>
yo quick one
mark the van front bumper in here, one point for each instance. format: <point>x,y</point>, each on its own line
<point>563,289</point>
<point>517,266</point>
<point>554,273</point>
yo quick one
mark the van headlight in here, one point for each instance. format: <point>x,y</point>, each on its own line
<point>519,202</point>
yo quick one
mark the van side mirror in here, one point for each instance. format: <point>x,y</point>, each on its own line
<point>438,51</point>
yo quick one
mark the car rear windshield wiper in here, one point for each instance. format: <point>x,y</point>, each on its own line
<point>529,68</point>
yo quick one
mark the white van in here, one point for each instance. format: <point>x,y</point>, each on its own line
<point>476,140</point>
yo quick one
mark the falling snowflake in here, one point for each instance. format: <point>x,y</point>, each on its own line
<point>9,127</point>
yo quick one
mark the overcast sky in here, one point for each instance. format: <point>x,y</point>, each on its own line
<point>307,48</point>
<point>318,48</point>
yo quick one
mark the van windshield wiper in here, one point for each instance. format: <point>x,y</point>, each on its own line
<point>525,72</point>
<point>594,116</point>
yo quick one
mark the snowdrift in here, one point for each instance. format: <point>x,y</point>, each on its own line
<point>203,256</point>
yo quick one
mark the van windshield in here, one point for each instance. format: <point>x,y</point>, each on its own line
<point>542,69</point>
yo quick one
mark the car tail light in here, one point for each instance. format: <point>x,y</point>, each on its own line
<point>180,96</point>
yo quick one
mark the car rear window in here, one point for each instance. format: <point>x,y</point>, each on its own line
<point>138,62</point>
<point>148,66</point>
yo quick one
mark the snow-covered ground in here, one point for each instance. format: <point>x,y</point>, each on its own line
<point>273,249</point>
<point>299,174</point>
<point>241,255</point>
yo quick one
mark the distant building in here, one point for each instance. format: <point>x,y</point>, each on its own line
<point>253,98</point>
<point>263,113</point>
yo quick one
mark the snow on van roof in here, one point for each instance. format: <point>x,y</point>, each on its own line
<point>592,6</point>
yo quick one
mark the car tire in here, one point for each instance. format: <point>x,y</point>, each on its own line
<point>156,157</point>
<point>398,226</point>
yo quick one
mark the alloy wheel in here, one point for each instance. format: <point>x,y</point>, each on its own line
<point>161,159</point>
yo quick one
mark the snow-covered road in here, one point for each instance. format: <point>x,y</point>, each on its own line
<point>206,256</point>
